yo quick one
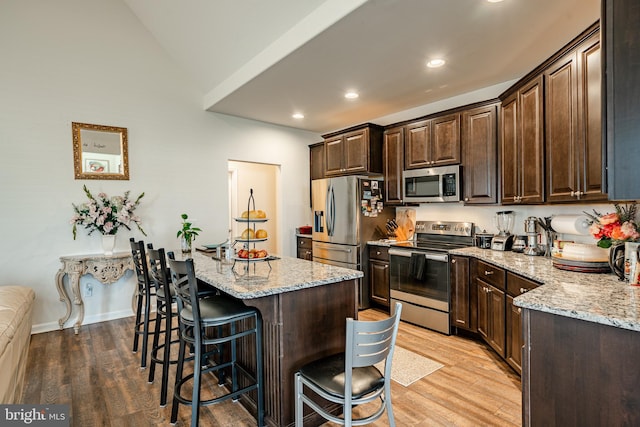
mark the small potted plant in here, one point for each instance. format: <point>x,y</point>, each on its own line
<point>187,233</point>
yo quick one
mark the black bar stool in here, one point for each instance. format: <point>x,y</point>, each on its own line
<point>231,320</point>
<point>144,293</point>
<point>165,297</point>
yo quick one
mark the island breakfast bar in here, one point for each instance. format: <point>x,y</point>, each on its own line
<point>304,306</point>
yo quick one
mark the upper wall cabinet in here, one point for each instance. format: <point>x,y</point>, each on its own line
<point>622,72</point>
<point>355,151</point>
<point>316,160</point>
<point>573,125</point>
<point>479,154</point>
<point>521,144</point>
<point>393,164</point>
<point>433,142</point>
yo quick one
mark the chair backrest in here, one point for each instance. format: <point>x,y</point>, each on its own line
<point>370,342</point>
<point>185,284</point>
<point>158,271</point>
<point>140,263</point>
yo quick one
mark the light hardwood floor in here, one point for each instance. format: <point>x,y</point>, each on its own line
<point>99,376</point>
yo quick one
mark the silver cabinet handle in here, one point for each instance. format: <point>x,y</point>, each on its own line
<point>488,273</point>
<point>523,290</point>
<point>378,252</point>
<point>519,310</point>
<point>453,261</point>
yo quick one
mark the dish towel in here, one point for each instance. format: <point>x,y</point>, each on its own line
<point>417,266</point>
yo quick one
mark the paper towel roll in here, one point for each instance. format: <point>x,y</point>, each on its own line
<point>570,224</point>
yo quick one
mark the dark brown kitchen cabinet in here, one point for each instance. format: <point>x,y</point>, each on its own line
<point>379,275</point>
<point>393,164</point>
<point>578,373</point>
<point>479,154</point>
<point>463,296</point>
<point>304,248</point>
<point>354,151</point>
<point>316,161</point>
<point>433,142</point>
<point>522,144</point>
<point>516,286</point>
<point>573,124</point>
<point>621,39</point>
<point>491,303</point>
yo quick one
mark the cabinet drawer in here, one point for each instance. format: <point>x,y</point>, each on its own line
<point>304,243</point>
<point>381,253</point>
<point>490,274</point>
<point>517,285</point>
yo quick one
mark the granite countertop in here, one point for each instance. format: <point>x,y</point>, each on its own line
<point>286,275</point>
<point>304,235</point>
<point>599,298</point>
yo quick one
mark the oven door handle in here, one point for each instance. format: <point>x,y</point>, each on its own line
<point>432,256</point>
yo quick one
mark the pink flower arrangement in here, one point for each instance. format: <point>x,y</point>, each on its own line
<point>106,214</point>
<point>618,226</point>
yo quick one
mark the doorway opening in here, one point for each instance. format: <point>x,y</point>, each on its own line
<point>264,179</point>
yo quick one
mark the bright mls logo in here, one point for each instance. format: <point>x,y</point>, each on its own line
<point>34,415</point>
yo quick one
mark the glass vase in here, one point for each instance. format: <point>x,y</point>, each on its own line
<point>185,245</point>
<point>108,243</point>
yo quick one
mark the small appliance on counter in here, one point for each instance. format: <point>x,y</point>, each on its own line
<point>531,228</point>
<point>503,221</point>
<point>519,243</point>
<point>483,240</point>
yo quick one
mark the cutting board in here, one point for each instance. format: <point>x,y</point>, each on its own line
<point>406,220</point>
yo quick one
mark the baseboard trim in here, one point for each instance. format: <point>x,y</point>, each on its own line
<point>97,318</point>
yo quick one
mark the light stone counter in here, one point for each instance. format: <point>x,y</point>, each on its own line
<point>599,298</point>
<point>286,275</point>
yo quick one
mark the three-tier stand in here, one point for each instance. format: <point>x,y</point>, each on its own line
<point>251,242</point>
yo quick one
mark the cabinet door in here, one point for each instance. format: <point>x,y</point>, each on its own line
<point>379,282</point>
<point>484,323</point>
<point>463,311</point>
<point>393,162</point>
<point>479,155</point>
<point>509,149</point>
<point>514,335</point>
<point>590,119</point>
<point>356,151</point>
<point>417,149</point>
<point>333,155</point>
<point>316,168</point>
<point>561,127</point>
<point>497,315</point>
<point>445,140</point>
<point>530,142</point>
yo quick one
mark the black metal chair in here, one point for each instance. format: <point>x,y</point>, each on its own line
<point>165,297</point>
<point>229,320</point>
<point>350,378</point>
<point>144,293</point>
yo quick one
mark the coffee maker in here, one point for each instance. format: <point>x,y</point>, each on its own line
<point>531,229</point>
<point>503,221</point>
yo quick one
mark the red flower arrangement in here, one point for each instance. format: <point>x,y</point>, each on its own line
<point>618,226</point>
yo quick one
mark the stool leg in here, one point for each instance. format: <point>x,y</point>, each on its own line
<point>197,370</point>
<point>179,369</point>
<point>145,331</point>
<point>136,327</point>
<point>234,374</point>
<point>154,344</point>
<point>166,360</point>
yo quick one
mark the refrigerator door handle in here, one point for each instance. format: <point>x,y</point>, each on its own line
<point>327,209</point>
<point>333,211</point>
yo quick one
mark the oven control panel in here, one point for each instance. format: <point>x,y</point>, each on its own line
<point>445,228</point>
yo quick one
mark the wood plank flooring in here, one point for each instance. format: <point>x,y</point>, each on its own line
<point>99,376</point>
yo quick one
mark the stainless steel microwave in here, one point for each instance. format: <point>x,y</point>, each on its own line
<point>428,185</point>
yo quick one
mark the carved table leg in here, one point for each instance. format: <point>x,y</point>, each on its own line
<point>74,281</point>
<point>64,296</point>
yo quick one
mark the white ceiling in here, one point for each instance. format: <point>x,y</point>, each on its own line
<point>265,60</point>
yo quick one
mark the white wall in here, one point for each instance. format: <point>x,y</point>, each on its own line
<point>91,61</point>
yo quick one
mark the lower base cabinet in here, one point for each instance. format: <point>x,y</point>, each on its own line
<point>379,276</point>
<point>304,248</point>
<point>578,373</point>
<point>491,318</point>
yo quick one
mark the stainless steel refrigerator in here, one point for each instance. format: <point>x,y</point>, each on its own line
<point>348,212</point>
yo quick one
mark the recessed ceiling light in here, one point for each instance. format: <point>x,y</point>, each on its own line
<point>494,1</point>
<point>435,63</point>
<point>297,116</point>
<point>351,95</point>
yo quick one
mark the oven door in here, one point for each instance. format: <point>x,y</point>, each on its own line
<point>420,277</point>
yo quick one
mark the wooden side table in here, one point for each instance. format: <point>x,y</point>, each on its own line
<point>106,269</point>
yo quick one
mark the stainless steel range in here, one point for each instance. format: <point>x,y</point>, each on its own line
<point>419,272</point>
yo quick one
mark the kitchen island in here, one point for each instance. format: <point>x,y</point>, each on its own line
<point>304,306</point>
<point>581,344</point>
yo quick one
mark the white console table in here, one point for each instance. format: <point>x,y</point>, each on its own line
<point>106,269</point>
